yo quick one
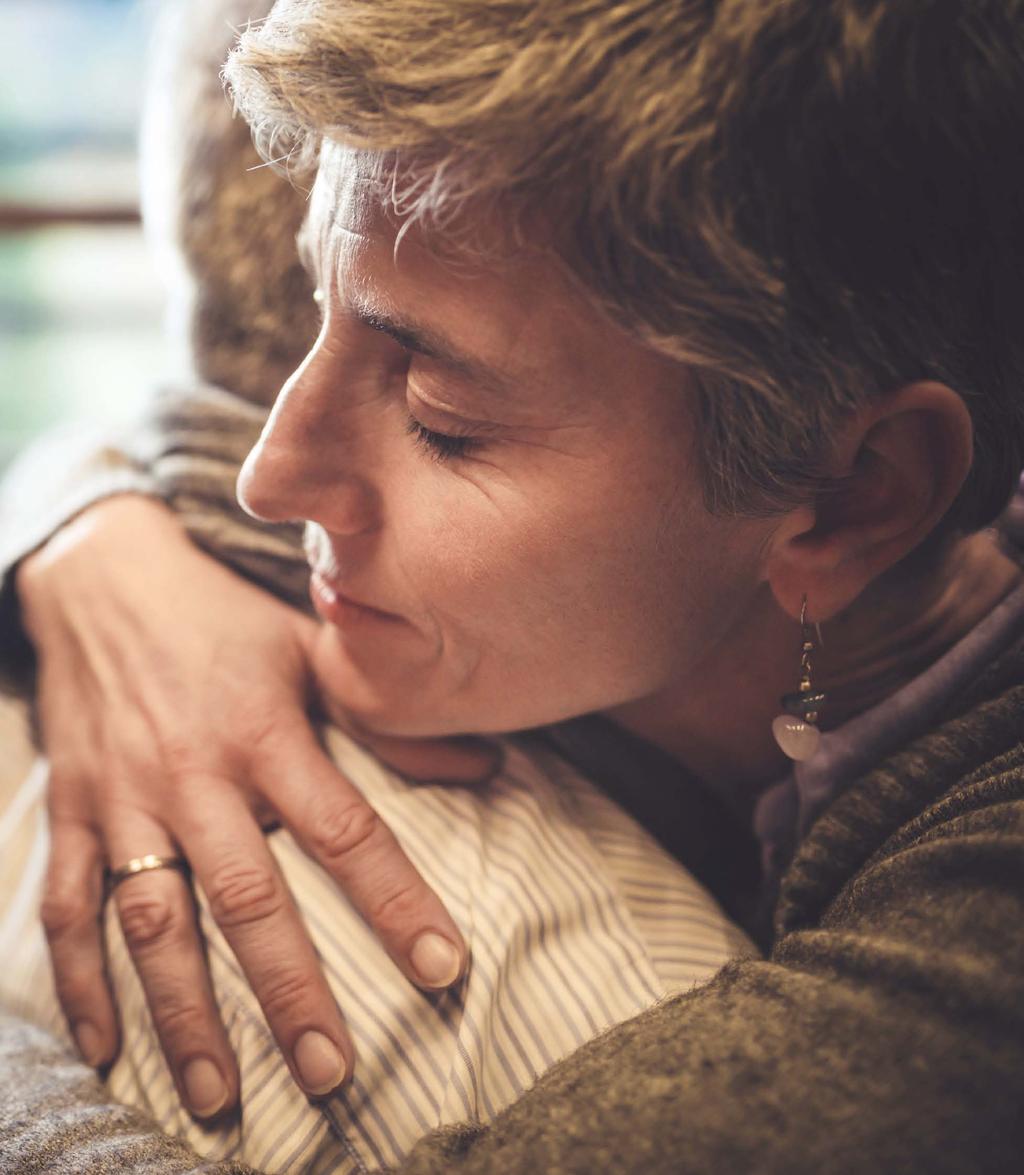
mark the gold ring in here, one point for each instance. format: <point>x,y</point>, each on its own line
<point>114,877</point>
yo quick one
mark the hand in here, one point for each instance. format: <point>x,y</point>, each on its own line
<point>173,701</point>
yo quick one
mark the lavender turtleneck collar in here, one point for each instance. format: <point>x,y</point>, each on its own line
<point>786,810</point>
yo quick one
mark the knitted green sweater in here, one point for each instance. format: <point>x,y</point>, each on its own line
<point>885,1031</point>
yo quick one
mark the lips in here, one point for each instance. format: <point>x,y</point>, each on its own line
<point>337,608</point>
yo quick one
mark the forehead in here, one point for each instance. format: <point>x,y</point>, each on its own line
<point>517,313</point>
<point>520,315</point>
<point>363,192</point>
<point>346,193</point>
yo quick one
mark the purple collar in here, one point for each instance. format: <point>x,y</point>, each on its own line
<point>786,810</point>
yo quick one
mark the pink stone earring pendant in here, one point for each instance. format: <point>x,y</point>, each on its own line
<point>796,730</point>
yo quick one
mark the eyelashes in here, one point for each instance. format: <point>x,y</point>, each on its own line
<point>441,446</point>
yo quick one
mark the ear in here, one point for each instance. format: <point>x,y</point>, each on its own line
<point>896,467</point>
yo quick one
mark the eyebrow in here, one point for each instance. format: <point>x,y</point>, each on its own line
<point>413,337</point>
<point>422,341</point>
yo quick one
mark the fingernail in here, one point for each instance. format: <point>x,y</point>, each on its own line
<point>435,960</point>
<point>205,1090</point>
<point>90,1043</point>
<point>319,1062</point>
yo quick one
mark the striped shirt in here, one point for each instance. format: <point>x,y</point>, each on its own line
<point>575,918</point>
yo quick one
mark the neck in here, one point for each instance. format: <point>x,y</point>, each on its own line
<point>717,721</point>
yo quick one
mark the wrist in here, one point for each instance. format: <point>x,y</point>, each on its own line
<point>118,521</point>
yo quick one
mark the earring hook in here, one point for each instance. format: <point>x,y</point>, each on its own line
<point>804,625</point>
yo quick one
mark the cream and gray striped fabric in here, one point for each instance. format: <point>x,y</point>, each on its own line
<point>575,917</point>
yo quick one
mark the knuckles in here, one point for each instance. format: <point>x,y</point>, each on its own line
<point>149,920</point>
<point>341,832</point>
<point>64,910</point>
<point>179,1019</point>
<point>241,893</point>
<point>399,911</point>
<point>281,993</point>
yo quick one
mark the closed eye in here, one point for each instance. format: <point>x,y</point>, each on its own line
<point>441,446</point>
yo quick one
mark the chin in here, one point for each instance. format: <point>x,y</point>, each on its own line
<point>403,698</point>
<point>401,713</point>
<point>398,704</point>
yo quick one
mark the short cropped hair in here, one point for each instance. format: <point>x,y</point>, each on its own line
<point>808,202</point>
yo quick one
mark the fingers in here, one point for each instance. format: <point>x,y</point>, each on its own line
<point>71,910</point>
<point>334,824</point>
<point>250,901</point>
<point>158,919</point>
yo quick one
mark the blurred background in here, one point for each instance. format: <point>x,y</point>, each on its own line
<point>80,303</point>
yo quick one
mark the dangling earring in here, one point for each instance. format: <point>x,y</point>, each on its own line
<point>796,731</point>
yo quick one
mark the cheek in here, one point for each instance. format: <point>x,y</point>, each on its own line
<point>486,566</point>
<point>537,593</point>
<point>572,595</point>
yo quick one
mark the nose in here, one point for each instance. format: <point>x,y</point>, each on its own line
<point>303,467</point>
